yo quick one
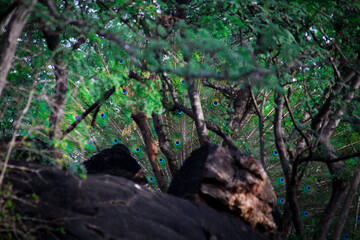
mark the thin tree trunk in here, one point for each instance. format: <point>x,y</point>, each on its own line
<point>57,110</point>
<point>348,201</point>
<point>260,113</point>
<point>6,15</point>
<point>283,230</point>
<point>339,185</point>
<point>10,38</point>
<point>13,138</point>
<point>197,111</point>
<point>61,86</point>
<point>142,122</point>
<point>338,192</point>
<point>284,159</point>
<point>357,213</point>
<point>163,146</point>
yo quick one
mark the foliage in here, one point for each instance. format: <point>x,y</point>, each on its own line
<point>299,49</point>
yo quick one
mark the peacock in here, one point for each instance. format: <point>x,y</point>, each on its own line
<point>112,122</point>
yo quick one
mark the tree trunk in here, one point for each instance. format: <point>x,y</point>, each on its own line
<point>283,230</point>
<point>349,199</point>
<point>61,86</point>
<point>337,194</point>
<point>163,146</point>
<point>339,184</point>
<point>142,122</point>
<point>291,183</point>
<point>197,111</point>
<point>10,38</point>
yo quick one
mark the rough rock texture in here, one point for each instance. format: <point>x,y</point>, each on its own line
<point>228,181</point>
<point>109,207</point>
<point>116,161</point>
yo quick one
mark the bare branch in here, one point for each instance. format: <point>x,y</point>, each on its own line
<point>13,139</point>
<point>294,122</point>
<point>98,102</point>
<point>261,124</point>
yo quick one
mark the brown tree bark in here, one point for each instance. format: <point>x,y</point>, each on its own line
<point>339,184</point>
<point>61,86</point>
<point>163,146</point>
<point>10,38</point>
<point>142,122</point>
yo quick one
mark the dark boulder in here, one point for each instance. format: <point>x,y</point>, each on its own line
<point>228,181</point>
<point>108,207</point>
<point>116,161</point>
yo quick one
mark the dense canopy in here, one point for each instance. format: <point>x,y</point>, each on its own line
<point>278,80</point>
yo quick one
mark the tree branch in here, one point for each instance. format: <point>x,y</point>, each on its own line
<point>16,127</point>
<point>347,204</point>
<point>98,102</point>
<point>261,128</point>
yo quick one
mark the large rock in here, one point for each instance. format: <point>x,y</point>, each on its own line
<point>116,161</point>
<point>228,181</point>
<point>58,205</point>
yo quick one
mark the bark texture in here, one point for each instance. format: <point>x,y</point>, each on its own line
<point>61,85</point>
<point>10,38</point>
<point>142,122</point>
<point>199,118</point>
<point>327,128</point>
<point>164,146</point>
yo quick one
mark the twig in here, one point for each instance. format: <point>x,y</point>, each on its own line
<point>327,160</point>
<point>261,129</point>
<point>227,138</point>
<point>294,122</point>
<point>16,127</point>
